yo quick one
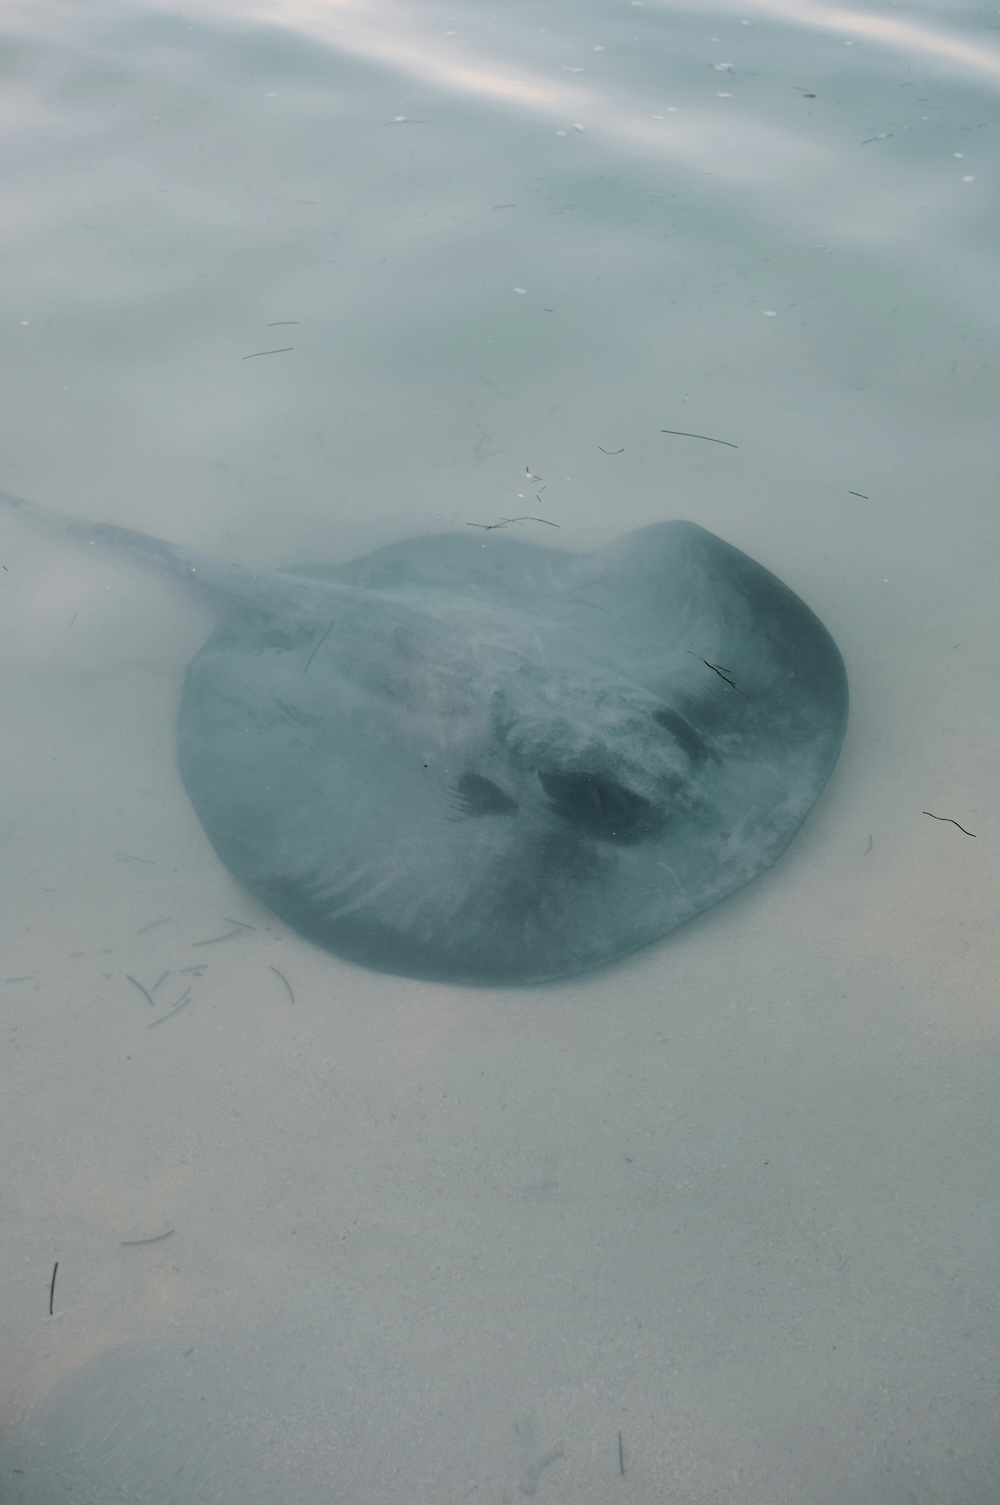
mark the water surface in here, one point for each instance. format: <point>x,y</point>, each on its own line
<point>288,282</point>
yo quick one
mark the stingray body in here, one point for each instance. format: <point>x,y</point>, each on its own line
<point>473,759</point>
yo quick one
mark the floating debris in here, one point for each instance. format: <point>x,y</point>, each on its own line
<point>950,822</point>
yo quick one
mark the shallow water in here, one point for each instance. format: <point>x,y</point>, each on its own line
<point>733,1201</point>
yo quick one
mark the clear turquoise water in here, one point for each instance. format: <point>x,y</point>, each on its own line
<point>734,1201</point>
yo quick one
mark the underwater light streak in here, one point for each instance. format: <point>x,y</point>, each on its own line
<point>731,146</point>
<point>903,36</point>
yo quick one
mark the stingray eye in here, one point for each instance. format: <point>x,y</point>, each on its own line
<point>479,796</point>
<point>683,733</point>
<point>600,806</point>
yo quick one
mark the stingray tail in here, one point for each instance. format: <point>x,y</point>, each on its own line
<point>54,520</point>
<point>255,588</point>
<point>171,559</point>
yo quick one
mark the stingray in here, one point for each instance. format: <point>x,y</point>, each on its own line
<point>474,759</point>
